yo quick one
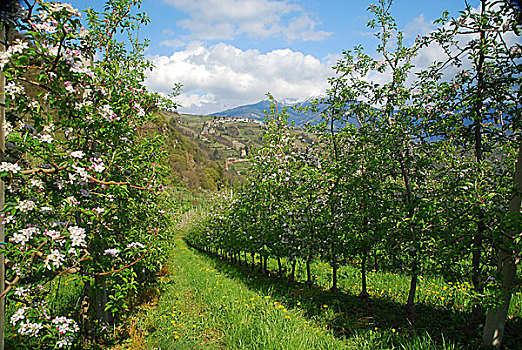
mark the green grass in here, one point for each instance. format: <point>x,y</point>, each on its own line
<point>202,308</point>
<point>206,303</point>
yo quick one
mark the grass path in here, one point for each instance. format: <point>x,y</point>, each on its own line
<point>205,303</point>
<point>200,308</point>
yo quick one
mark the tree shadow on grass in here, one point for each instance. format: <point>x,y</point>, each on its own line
<point>348,315</point>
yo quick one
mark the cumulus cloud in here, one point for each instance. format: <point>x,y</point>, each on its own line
<point>224,19</point>
<point>222,76</point>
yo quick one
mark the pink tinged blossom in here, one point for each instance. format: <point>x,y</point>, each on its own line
<point>36,183</point>
<point>69,87</point>
<point>72,201</point>
<point>107,113</point>
<point>140,112</point>
<point>7,219</point>
<point>516,50</point>
<point>52,233</point>
<point>97,165</point>
<point>99,210</point>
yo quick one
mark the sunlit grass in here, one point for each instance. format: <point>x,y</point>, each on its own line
<point>203,308</point>
<point>206,303</point>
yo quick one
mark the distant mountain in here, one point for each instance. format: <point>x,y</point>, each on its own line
<point>257,111</point>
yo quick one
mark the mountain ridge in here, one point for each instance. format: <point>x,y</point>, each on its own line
<point>257,111</point>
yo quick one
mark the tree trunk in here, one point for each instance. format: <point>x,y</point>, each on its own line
<point>309,282</point>
<point>291,279</point>
<point>279,268</point>
<point>476,278</point>
<point>260,263</point>
<point>334,272</point>
<point>496,318</point>
<point>364,291</point>
<point>104,316</point>
<point>410,304</point>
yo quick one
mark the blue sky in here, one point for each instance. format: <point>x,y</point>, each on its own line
<point>232,52</point>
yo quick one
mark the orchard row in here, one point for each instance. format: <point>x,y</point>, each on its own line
<point>416,170</point>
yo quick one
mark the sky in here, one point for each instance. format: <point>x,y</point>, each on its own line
<point>228,53</point>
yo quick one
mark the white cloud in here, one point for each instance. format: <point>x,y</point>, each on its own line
<point>418,26</point>
<point>224,19</point>
<point>222,76</point>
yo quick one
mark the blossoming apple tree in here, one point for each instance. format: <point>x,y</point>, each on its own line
<point>82,175</point>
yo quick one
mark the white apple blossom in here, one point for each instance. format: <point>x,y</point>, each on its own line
<point>24,235</point>
<point>77,236</point>
<point>48,26</point>
<point>9,167</point>
<point>26,205</point>
<point>114,252</point>
<point>4,59</point>
<point>65,325</point>
<point>65,341</point>
<point>77,154</point>
<point>33,105</point>
<point>18,47</point>
<point>81,172</point>
<point>36,183</point>
<point>22,292</point>
<point>57,7</point>
<point>29,328</point>
<point>46,210</point>
<point>135,245</point>
<point>18,315</point>
<point>55,259</point>
<point>12,89</point>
